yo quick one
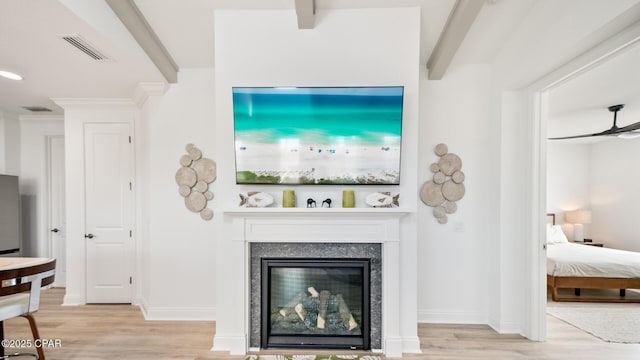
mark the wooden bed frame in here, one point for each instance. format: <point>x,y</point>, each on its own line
<point>577,283</point>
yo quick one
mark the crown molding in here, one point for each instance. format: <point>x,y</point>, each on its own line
<point>86,102</point>
<point>145,90</point>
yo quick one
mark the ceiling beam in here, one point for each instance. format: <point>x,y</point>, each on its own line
<point>462,16</point>
<point>306,12</point>
<point>142,32</point>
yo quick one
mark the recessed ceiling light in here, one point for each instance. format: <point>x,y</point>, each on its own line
<point>10,75</point>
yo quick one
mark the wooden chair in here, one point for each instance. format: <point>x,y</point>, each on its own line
<point>20,296</point>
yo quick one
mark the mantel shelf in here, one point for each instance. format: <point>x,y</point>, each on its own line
<point>256,211</point>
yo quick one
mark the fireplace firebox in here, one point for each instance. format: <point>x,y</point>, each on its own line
<point>315,303</point>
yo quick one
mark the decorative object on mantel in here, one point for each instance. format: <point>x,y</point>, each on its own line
<point>311,203</point>
<point>255,199</point>
<point>383,200</point>
<point>447,185</point>
<point>193,179</point>
<point>288,198</point>
<point>348,199</point>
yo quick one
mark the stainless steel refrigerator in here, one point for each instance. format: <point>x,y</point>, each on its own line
<point>9,216</point>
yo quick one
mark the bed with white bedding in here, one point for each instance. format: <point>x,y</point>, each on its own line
<point>578,260</point>
<point>572,265</point>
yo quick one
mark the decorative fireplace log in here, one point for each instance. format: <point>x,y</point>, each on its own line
<point>345,314</point>
<point>293,317</point>
<point>289,308</point>
<point>322,313</point>
<point>298,308</point>
<point>312,291</point>
<point>302,313</point>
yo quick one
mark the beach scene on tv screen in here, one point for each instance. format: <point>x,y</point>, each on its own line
<point>338,135</point>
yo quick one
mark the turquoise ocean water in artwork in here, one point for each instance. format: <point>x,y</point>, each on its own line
<point>355,116</point>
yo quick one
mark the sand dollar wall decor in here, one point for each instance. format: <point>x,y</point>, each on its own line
<point>193,178</point>
<point>446,187</point>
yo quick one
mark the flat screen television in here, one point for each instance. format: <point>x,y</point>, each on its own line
<point>318,135</point>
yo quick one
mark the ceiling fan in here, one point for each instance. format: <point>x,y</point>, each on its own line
<point>625,132</point>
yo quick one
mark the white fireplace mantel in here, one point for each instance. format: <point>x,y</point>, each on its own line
<point>366,225</point>
<point>303,225</point>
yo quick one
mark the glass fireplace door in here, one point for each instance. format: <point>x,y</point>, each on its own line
<point>321,303</point>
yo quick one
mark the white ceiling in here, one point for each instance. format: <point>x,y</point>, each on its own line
<point>175,21</point>
<point>580,106</point>
<point>30,41</point>
<point>31,46</point>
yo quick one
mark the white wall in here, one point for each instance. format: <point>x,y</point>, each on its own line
<point>143,198</point>
<point>23,152</point>
<point>346,48</point>
<point>179,247</point>
<point>615,193</point>
<point>453,265</point>
<point>537,52</point>
<point>175,249</point>
<point>78,112</point>
<point>568,181</point>
<point>34,134</point>
<point>599,177</point>
<point>261,49</point>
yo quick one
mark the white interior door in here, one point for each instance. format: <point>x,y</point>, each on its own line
<point>108,213</point>
<point>57,218</point>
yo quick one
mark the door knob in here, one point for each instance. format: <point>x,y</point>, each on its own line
<point>89,236</point>
<point>55,230</point>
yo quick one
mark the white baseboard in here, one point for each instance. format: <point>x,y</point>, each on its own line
<point>393,346</point>
<point>234,344</point>
<point>467,317</point>
<point>176,313</point>
<point>450,317</point>
<point>411,345</point>
<point>73,300</point>
<point>505,327</point>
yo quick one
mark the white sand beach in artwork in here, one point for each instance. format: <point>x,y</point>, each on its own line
<point>293,161</point>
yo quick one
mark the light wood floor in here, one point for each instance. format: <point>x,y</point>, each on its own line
<point>120,332</point>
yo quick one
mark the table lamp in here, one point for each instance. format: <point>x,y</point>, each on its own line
<point>578,218</point>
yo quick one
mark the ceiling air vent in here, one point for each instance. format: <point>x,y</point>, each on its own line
<point>36,108</point>
<point>82,45</point>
